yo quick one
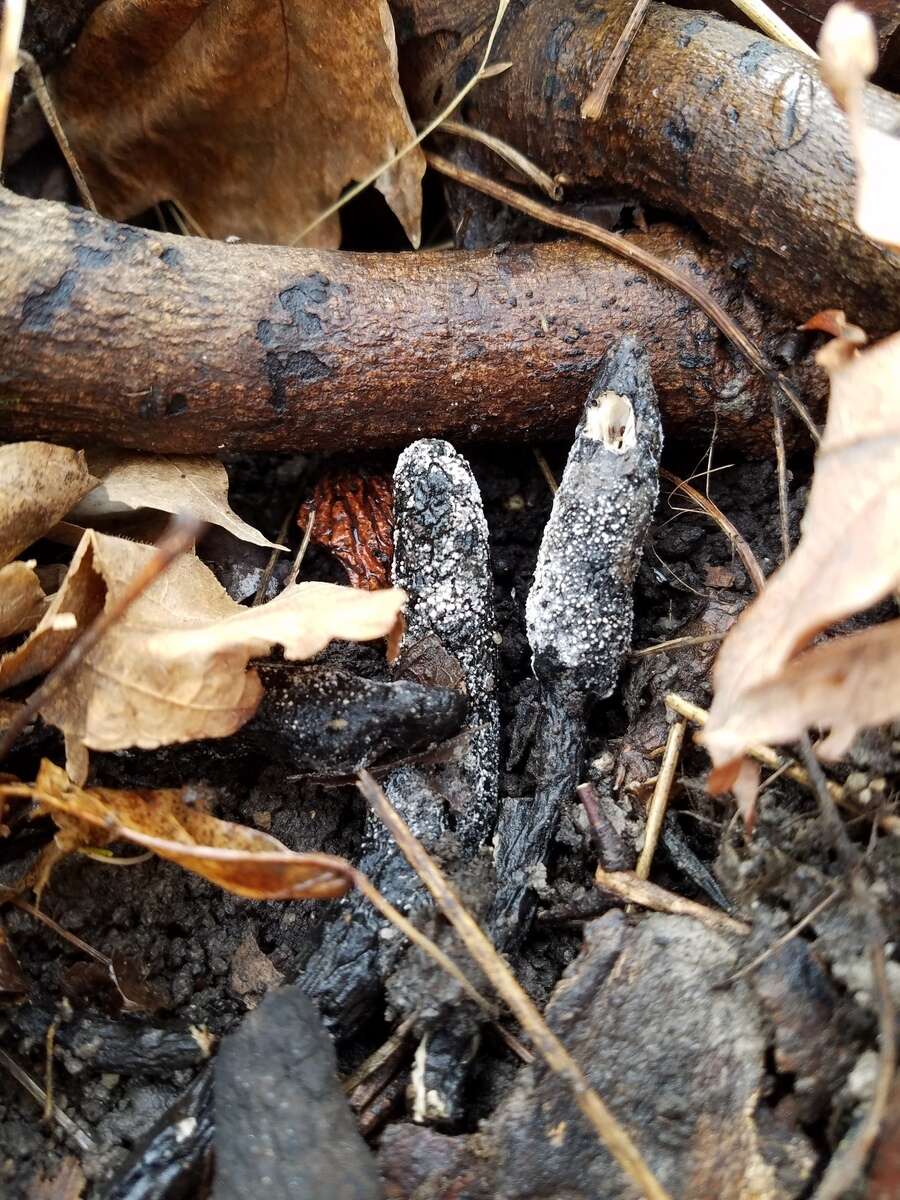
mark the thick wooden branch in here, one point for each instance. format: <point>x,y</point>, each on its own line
<point>122,335</point>
<point>705,116</point>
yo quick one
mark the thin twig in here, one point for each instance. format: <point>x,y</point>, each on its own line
<point>65,1122</point>
<point>273,557</point>
<point>781,464</point>
<point>545,470</point>
<point>509,154</point>
<point>616,1138</point>
<point>10,36</point>
<point>592,109</point>
<point>643,258</point>
<point>764,754</point>
<point>180,536</point>
<point>72,938</point>
<point>787,937</point>
<point>746,555</point>
<point>36,80</point>
<point>442,116</point>
<point>677,644</point>
<point>770,22</point>
<point>379,1058</point>
<point>659,802</point>
<point>301,553</point>
<point>649,895</point>
<point>49,1044</point>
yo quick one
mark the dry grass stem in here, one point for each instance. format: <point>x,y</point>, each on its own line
<point>746,555</point>
<point>38,86</point>
<point>592,109</point>
<point>545,470</point>
<point>781,465</point>
<point>642,258</point>
<point>509,154</point>
<point>659,802</point>
<point>614,1136</point>
<point>301,553</point>
<point>72,938</point>
<point>770,23</point>
<point>635,890</point>
<point>483,72</point>
<point>84,1143</point>
<point>677,644</point>
<point>180,537</point>
<point>787,937</point>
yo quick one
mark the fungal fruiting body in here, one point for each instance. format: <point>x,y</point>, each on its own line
<point>442,558</point>
<point>579,610</point>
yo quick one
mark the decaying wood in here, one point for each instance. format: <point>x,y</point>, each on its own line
<point>704,116</point>
<point>116,334</point>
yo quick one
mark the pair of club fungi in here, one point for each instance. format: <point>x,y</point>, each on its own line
<point>579,619</point>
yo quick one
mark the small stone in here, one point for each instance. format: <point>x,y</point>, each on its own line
<point>856,781</point>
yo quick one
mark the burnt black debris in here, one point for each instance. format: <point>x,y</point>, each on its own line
<point>282,1120</point>
<point>173,1160</point>
<point>579,609</point>
<point>327,721</point>
<point>442,560</point>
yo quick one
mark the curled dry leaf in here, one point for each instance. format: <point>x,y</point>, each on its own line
<point>253,116</point>
<point>843,685</point>
<point>240,860</point>
<point>353,517</point>
<point>198,486</point>
<point>175,667</point>
<point>848,559</point>
<point>39,483</point>
<point>849,54</point>
<point>22,599</point>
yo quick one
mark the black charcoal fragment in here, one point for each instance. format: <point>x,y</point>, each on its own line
<point>327,721</point>
<point>173,1160</point>
<point>283,1126</point>
<point>579,610</point>
<point>126,1046</point>
<point>442,560</point>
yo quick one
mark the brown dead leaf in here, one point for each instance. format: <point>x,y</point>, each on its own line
<point>240,860</point>
<point>198,486</point>
<point>353,517</point>
<point>76,604</point>
<point>22,599</point>
<point>39,483</point>
<point>843,685</point>
<point>253,116</point>
<point>848,558</point>
<point>849,54</point>
<point>175,667</point>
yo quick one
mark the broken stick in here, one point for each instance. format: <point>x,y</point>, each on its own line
<point>172,344</point>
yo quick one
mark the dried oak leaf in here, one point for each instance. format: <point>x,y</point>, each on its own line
<point>198,486</point>
<point>849,54</point>
<point>240,860</point>
<point>22,599</point>
<point>253,116</point>
<point>848,559</point>
<point>175,667</point>
<point>353,517</point>
<point>39,483</point>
